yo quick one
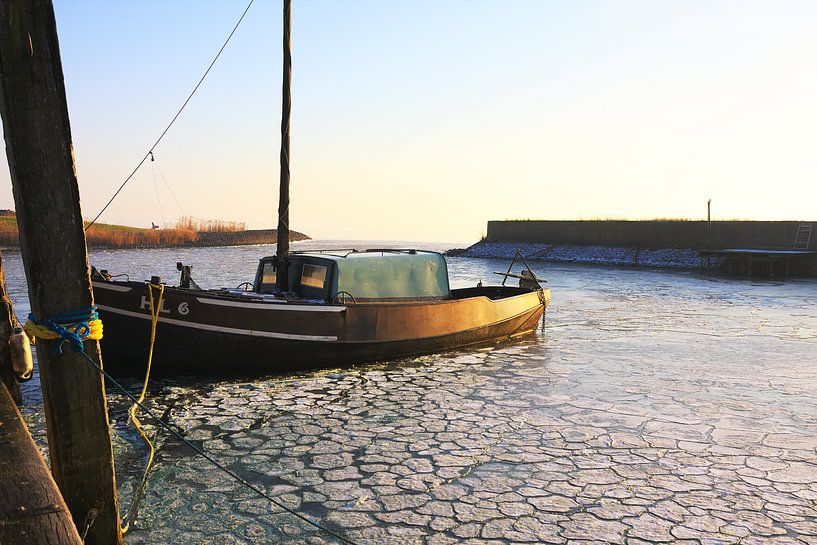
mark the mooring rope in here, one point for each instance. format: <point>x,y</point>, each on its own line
<point>70,327</point>
<point>175,117</point>
<point>155,308</point>
<point>78,346</point>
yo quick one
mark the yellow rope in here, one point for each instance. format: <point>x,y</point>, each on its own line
<point>155,308</point>
<point>34,331</point>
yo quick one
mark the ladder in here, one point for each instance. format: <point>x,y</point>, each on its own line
<point>803,237</point>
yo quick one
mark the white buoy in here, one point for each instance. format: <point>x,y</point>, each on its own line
<point>21,360</point>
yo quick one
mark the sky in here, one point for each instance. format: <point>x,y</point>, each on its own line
<point>422,120</point>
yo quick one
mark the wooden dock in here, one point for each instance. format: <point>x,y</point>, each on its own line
<point>32,510</point>
<point>756,261</point>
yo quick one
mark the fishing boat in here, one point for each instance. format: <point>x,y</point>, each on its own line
<point>308,310</point>
<point>338,308</point>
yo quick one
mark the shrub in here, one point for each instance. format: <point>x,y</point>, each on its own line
<point>210,226</point>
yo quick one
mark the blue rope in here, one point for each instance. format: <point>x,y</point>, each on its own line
<point>86,314</point>
<point>77,320</point>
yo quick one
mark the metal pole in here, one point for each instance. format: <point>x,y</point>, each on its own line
<point>709,223</point>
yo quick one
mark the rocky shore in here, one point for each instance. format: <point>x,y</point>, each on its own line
<point>660,243</point>
<point>667,258</point>
<point>243,238</point>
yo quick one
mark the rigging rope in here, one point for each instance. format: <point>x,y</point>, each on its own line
<point>155,308</point>
<point>175,117</point>
<point>156,187</point>
<point>170,189</point>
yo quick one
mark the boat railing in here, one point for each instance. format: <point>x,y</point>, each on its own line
<point>338,252</point>
<point>529,278</point>
<point>348,251</point>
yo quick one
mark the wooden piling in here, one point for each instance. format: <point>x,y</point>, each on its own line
<point>7,325</point>
<point>52,240</point>
<point>32,511</point>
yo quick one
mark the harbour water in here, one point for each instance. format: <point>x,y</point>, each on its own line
<point>652,407</point>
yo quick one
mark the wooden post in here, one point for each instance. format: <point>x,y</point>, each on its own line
<point>52,240</point>
<point>32,511</point>
<point>283,189</point>
<point>7,325</point>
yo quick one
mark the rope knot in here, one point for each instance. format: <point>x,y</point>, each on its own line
<point>70,327</point>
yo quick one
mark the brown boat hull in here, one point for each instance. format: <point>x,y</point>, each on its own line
<point>207,334</point>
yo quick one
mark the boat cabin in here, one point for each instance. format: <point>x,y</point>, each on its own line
<point>373,275</point>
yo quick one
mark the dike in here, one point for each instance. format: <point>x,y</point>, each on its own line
<point>243,238</point>
<point>667,244</point>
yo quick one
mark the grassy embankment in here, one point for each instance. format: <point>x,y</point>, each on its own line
<point>102,235</point>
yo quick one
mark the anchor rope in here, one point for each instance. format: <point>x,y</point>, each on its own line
<point>59,327</point>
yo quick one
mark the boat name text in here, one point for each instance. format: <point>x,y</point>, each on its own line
<point>183,308</point>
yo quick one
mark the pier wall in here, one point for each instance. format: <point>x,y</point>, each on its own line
<point>654,243</point>
<point>653,234</point>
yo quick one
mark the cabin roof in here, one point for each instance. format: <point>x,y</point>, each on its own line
<point>344,254</point>
<point>385,274</point>
<point>336,255</point>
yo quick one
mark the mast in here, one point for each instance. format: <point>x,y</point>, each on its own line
<point>286,107</point>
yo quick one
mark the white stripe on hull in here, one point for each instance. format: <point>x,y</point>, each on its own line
<point>112,287</point>
<point>267,306</point>
<point>220,329</point>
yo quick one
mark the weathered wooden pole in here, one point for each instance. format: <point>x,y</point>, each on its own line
<point>52,240</point>
<point>7,326</point>
<point>32,511</point>
<point>283,189</point>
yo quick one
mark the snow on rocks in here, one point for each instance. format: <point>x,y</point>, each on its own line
<point>670,258</point>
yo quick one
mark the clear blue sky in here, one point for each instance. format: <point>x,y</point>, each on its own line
<point>422,120</point>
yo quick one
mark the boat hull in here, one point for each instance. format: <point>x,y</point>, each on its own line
<point>206,334</point>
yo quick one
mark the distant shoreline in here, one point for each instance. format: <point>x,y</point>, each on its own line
<point>188,232</point>
<point>242,238</point>
<point>114,239</point>
<point>204,240</point>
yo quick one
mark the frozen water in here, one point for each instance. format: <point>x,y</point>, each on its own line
<point>653,407</point>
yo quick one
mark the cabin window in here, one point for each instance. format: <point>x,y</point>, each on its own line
<point>268,275</point>
<point>313,276</point>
